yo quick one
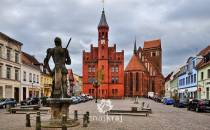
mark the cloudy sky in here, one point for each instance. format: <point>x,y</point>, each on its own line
<point>182,25</point>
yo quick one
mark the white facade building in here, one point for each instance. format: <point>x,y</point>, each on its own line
<point>30,79</point>
<point>10,65</point>
<point>167,85</point>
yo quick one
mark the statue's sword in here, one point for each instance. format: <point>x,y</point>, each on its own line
<point>68,43</point>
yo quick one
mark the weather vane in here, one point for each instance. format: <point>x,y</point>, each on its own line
<point>103,1</point>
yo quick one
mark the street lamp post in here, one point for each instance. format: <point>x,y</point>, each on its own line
<point>96,86</point>
<point>32,89</point>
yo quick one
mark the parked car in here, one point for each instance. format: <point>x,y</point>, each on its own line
<point>157,98</point>
<point>181,103</point>
<point>168,101</point>
<point>24,102</point>
<point>74,99</point>
<point>199,105</point>
<point>83,99</point>
<point>2,99</point>
<point>30,101</point>
<point>7,101</point>
<point>44,101</point>
<point>79,99</point>
<point>90,97</point>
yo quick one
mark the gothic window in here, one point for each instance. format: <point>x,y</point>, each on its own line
<point>112,91</point>
<point>116,69</point>
<point>131,82</point>
<point>153,86</point>
<point>89,68</point>
<point>137,81</point>
<point>125,79</point>
<point>113,80</point>
<point>90,80</point>
<point>93,69</point>
<point>112,68</point>
<point>116,80</point>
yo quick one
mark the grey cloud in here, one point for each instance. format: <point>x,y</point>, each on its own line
<point>183,26</point>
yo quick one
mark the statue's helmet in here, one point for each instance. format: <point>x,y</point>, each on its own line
<point>57,41</point>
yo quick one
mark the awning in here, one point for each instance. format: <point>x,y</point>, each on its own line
<point>192,89</point>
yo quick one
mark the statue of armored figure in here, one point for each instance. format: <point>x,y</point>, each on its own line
<point>60,58</point>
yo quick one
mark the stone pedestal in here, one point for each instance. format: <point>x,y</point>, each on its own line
<point>59,114</point>
<point>59,107</point>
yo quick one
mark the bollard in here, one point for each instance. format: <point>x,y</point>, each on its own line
<point>147,114</point>
<point>38,121</point>
<point>85,121</point>
<point>143,103</point>
<point>75,115</point>
<point>28,122</point>
<point>88,116</point>
<point>64,119</point>
<point>64,127</point>
<point>148,105</point>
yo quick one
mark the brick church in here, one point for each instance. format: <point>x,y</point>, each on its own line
<point>107,60</point>
<point>143,73</point>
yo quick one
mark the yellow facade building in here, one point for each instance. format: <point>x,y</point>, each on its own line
<point>46,84</point>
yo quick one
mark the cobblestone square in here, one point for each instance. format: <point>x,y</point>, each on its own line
<point>163,118</point>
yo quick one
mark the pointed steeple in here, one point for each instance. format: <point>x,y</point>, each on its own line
<point>103,22</point>
<point>135,49</point>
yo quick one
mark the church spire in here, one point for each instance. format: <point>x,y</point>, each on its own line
<point>103,22</point>
<point>135,49</point>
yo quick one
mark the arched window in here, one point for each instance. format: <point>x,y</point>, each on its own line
<point>131,84</point>
<point>137,81</point>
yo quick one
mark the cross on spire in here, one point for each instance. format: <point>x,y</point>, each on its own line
<point>103,1</point>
